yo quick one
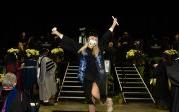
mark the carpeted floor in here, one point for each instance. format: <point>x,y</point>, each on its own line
<point>77,107</point>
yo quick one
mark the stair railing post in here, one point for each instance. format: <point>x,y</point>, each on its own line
<point>107,65</point>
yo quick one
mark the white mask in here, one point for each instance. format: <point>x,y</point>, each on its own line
<point>92,43</point>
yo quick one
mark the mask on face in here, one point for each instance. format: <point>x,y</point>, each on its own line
<point>92,41</point>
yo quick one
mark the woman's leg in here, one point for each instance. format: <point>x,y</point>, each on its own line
<point>95,95</point>
<point>95,91</point>
<point>88,93</point>
<point>99,91</point>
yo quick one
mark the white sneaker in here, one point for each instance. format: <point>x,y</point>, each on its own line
<point>109,103</point>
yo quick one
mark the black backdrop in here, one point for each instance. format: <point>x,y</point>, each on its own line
<point>138,26</point>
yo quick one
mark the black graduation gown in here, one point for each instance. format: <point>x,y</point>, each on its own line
<point>162,87</point>
<point>91,71</point>
<point>173,73</point>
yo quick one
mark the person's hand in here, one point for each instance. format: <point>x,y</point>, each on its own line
<point>86,44</point>
<point>56,32</point>
<point>82,48</point>
<point>115,22</point>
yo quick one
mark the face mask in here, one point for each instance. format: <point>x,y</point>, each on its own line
<point>92,43</point>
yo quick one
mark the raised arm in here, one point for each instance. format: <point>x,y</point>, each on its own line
<point>105,39</point>
<point>67,42</point>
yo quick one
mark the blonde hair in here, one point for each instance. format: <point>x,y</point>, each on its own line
<point>95,50</point>
<point>9,80</point>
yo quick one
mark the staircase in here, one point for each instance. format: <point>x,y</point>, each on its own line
<point>71,87</point>
<point>131,84</point>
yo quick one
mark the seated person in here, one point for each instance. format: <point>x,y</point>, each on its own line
<point>13,101</point>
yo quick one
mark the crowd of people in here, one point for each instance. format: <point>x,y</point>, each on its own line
<point>33,71</point>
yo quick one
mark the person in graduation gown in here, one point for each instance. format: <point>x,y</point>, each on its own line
<point>91,69</point>
<point>173,74</point>
<point>162,86</point>
<point>46,78</point>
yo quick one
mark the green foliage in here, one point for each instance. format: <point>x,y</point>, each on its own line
<point>141,70</point>
<point>118,99</point>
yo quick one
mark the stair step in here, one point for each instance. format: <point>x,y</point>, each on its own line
<point>71,77</point>
<point>127,98</point>
<point>126,70</point>
<point>131,82</point>
<point>72,81</point>
<point>125,67</point>
<point>129,78</point>
<point>72,69</point>
<point>73,86</point>
<point>72,73</point>
<point>72,91</point>
<point>127,74</point>
<point>135,92</point>
<point>133,87</point>
<point>73,66</point>
<point>71,97</point>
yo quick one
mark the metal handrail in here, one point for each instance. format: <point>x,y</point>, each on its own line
<point>62,82</point>
<point>144,83</point>
<point>120,85</point>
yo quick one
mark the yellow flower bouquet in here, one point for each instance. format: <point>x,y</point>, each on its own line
<point>57,50</point>
<point>13,50</point>
<point>170,52</point>
<point>32,52</point>
<point>133,53</point>
<point>135,56</point>
<point>57,54</point>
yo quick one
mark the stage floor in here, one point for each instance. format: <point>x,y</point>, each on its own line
<point>79,107</point>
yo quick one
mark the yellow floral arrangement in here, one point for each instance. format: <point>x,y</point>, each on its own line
<point>170,52</point>
<point>13,50</point>
<point>57,50</point>
<point>32,52</point>
<point>133,53</point>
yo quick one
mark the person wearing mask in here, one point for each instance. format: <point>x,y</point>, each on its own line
<point>91,69</point>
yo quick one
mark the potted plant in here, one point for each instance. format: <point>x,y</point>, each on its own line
<point>135,56</point>
<point>57,54</point>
